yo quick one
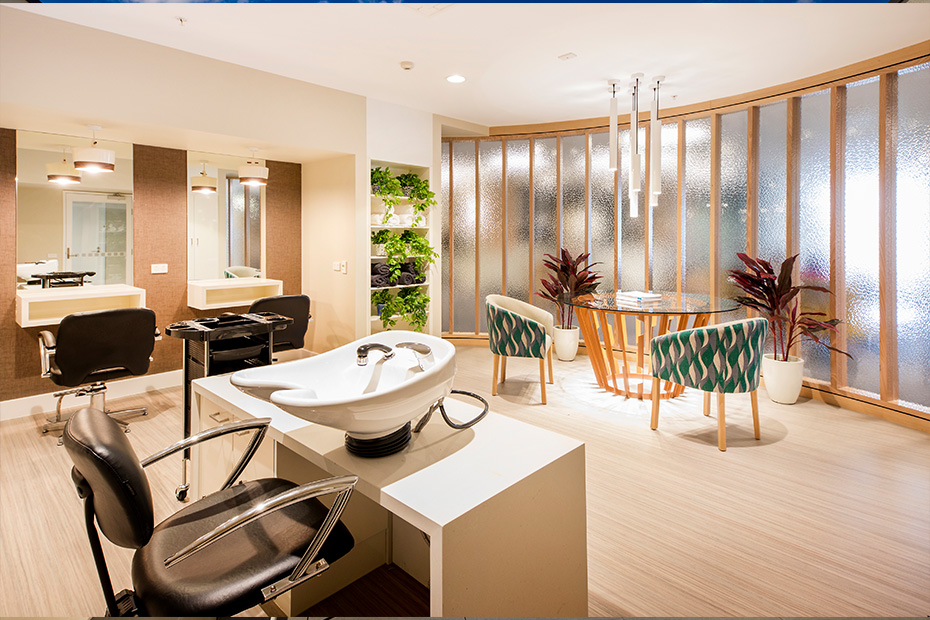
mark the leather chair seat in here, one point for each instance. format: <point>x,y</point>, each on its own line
<point>227,576</point>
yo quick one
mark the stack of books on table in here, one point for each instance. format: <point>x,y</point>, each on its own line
<point>638,298</point>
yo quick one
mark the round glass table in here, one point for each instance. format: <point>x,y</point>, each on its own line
<point>602,318</point>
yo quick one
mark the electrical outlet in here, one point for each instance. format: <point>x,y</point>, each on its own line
<point>335,265</point>
<point>159,267</point>
<point>344,266</point>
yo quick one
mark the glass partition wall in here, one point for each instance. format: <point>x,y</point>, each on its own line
<point>838,173</point>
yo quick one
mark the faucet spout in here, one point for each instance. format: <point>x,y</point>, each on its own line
<point>422,352</point>
<point>362,352</point>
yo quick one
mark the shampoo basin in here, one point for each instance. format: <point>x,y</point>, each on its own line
<point>368,402</point>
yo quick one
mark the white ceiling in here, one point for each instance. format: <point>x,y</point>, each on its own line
<point>509,52</point>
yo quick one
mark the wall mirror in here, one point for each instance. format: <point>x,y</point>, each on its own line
<point>70,220</point>
<point>224,218</point>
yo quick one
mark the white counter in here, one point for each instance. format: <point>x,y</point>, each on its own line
<point>503,503</point>
<point>230,292</point>
<point>37,307</point>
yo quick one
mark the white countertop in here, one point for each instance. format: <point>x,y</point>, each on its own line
<point>443,473</point>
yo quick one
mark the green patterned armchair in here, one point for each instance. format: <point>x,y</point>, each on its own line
<point>725,359</point>
<point>518,329</point>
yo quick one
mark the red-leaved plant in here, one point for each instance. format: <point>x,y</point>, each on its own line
<point>568,277</point>
<point>777,300</point>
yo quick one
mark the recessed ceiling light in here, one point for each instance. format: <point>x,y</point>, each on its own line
<point>568,56</point>
<point>455,79</point>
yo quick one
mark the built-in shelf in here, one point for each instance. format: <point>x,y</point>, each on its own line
<point>37,307</point>
<point>384,288</point>
<point>230,292</point>
<point>385,227</point>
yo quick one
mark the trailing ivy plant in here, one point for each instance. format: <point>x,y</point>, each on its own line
<point>392,307</point>
<point>419,249</point>
<point>421,198</point>
<point>386,186</point>
<point>415,303</point>
<point>396,249</point>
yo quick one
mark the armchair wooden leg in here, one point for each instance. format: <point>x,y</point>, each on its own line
<point>721,424</point>
<point>503,368</point>
<point>706,403</point>
<point>542,378</point>
<point>549,356</point>
<point>654,424</point>
<point>754,399</point>
<point>494,375</point>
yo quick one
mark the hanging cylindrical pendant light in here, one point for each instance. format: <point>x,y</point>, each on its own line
<point>655,146</point>
<point>92,158</point>
<point>635,161</point>
<point>62,172</point>
<point>612,142</point>
<point>203,184</point>
<point>253,172</point>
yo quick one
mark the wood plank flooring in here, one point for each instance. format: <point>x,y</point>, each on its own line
<point>827,515</point>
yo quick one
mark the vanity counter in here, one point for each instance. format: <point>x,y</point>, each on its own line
<point>502,503</point>
<point>230,292</point>
<point>39,307</point>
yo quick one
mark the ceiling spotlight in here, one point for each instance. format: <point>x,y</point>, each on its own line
<point>456,79</point>
<point>62,172</point>
<point>203,184</point>
<point>406,65</point>
<point>568,56</point>
<point>93,159</point>
<point>253,172</point>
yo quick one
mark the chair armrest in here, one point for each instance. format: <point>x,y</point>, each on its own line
<point>46,352</point>
<point>157,334</point>
<point>342,485</point>
<point>259,424</point>
<point>526,310</point>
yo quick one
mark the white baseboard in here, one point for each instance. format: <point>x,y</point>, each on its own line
<point>45,403</point>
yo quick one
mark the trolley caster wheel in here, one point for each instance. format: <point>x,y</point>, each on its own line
<point>181,492</point>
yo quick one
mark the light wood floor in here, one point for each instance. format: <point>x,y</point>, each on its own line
<point>827,515</point>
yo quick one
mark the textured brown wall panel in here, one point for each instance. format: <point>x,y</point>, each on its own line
<point>282,229</point>
<point>159,225</point>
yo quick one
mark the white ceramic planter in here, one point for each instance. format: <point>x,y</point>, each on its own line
<point>783,378</point>
<point>566,343</point>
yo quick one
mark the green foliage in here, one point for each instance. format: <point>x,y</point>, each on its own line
<point>415,303</point>
<point>419,249</point>
<point>421,198</point>
<point>388,188</point>
<point>379,237</point>
<point>392,309</point>
<point>396,249</point>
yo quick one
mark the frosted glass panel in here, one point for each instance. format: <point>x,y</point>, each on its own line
<point>733,151</point>
<point>463,237</point>
<point>573,198</point>
<point>603,212</point>
<point>773,178</point>
<point>861,226</point>
<point>697,206</point>
<point>518,219</point>
<point>446,256</point>
<point>545,231</point>
<point>814,221</point>
<point>913,235</point>
<point>632,229</point>
<point>490,225</point>
<point>664,216</point>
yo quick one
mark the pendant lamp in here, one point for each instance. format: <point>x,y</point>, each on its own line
<point>655,146</point>
<point>203,184</point>
<point>62,172</point>
<point>613,142</point>
<point>92,158</point>
<point>635,161</point>
<point>253,173</point>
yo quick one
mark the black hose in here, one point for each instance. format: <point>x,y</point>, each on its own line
<point>470,423</point>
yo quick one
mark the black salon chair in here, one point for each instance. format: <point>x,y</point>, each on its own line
<point>94,347</point>
<point>296,307</point>
<point>275,534</point>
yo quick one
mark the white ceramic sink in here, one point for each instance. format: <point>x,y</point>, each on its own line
<point>365,401</point>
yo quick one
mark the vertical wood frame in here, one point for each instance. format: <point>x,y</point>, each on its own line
<point>837,231</point>
<point>714,276</point>
<point>532,223</point>
<point>587,192</point>
<point>558,194</point>
<point>792,190</point>
<point>477,240</point>
<point>504,216</point>
<point>647,213</point>
<point>451,252</point>
<point>752,181</point>
<point>679,215</point>
<point>887,214</point>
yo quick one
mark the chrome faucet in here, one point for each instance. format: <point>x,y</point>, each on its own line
<point>422,351</point>
<point>363,350</point>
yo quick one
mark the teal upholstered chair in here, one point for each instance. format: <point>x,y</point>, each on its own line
<point>725,359</point>
<point>518,329</point>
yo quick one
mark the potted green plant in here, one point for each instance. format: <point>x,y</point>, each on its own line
<point>416,304</point>
<point>421,198</point>
<point>388,307</point>
<point>775,297</point>
<point>387,187</point>
<point>569,276</point>
<point>378,239</point>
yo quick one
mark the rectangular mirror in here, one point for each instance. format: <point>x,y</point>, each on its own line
<point>224,218</point>
<point>70,220</point>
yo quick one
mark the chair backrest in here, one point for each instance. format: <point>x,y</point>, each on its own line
<point>88,342</point>
<point>511,333</point>
<point>296,307</point>
<point>105,462</point>
<point>724,358</point>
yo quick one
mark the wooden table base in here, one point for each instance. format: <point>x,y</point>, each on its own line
<point>604,341</point>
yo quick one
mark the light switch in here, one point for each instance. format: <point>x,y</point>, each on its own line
<point>335,265</point>
<point>159,267</point>
<point>344,266</point>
